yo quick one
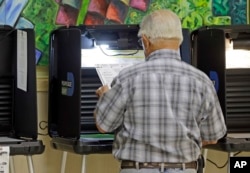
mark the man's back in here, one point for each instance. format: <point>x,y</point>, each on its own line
<point>165,106</point>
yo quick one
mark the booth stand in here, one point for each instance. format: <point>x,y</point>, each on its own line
<point>231,146</point>
<point>82,148</point>
<point>26,148</point>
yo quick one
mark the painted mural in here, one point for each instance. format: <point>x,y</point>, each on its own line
<point>47,15</point>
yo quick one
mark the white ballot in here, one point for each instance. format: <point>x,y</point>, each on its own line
<point>107,72</point>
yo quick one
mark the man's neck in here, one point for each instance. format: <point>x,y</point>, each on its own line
<point>164,44</point>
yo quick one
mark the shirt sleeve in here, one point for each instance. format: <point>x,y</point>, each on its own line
<point>213,125</point>
<point>110,109</point>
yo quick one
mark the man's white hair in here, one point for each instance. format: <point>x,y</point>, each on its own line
<point>163,24</point>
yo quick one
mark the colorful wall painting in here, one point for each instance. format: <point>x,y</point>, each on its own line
<point>47,15</point>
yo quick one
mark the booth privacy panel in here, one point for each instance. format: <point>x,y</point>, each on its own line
<point>18,108</point>
<point>72,97</point>
<point>65,82</point>
<point>25,121</point>
<point>232,84</point>
<point>18,101</point>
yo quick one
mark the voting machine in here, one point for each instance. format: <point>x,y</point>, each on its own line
<point>223,53</point>
<point>18,104</point>
<point>75,53</point>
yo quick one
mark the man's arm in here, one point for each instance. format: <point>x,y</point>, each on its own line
<point>99,92</point>
<point>97,126</point>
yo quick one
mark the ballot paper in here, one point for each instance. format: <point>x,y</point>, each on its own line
<point>107,72</point>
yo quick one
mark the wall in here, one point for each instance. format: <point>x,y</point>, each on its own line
<point>47,15</point>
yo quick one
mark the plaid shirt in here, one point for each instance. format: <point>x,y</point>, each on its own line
<point>161,110</point>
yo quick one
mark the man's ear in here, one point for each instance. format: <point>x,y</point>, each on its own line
<point>145,41</point>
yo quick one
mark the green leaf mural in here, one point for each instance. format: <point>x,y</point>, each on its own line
<point>47,15</point>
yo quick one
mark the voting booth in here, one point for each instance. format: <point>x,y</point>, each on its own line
<point>18,100</point>
<point>76,54</point>
<point>223,53</point>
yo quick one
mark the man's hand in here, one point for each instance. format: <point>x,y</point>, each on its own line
<point>100,91</point>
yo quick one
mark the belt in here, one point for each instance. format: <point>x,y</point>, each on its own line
<point>138,165</point>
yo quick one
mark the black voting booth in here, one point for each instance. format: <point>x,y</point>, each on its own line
<point>209,46</point>
<point>18,108</point>
<point>72,88</point>
<point>18,105</point>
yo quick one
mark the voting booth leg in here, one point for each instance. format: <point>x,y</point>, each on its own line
<point>83,164</point>
<point>64,160</point>
<point>12,168</point>
<point>30,164</point>
<point>29,161</point>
